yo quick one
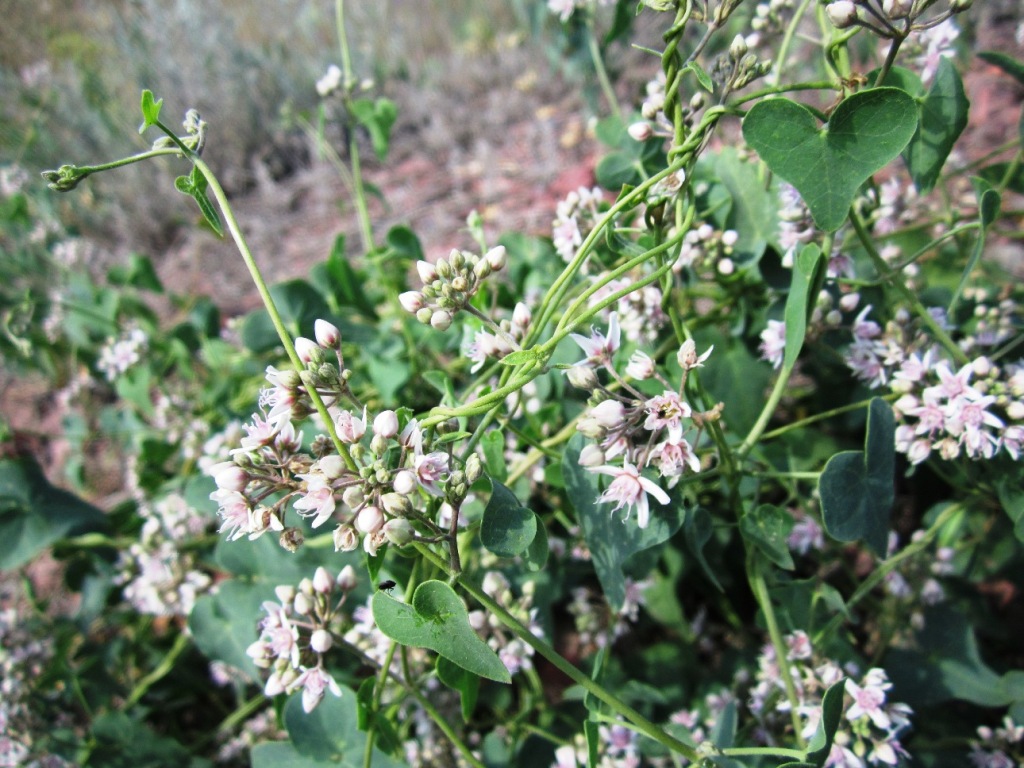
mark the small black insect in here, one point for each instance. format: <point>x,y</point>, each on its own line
<point>386,586</point>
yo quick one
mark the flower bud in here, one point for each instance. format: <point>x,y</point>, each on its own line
<point>589,427</point>
<point>842,13</point>
<point>959,6</point>
<point>231,478</point>
<point>275,685</point>
<point>897,9</point>
<point>398,531</point>
<point>396,504</point>
<point>848,301</point>
<point>640,366</point>
<point>321,641</point>
<point>385,424</point>
<point>521,316</point>
<point>346,579</point>
<point>496,257</point>
<point>302,604</point>
<point>322,581</point>
<point>441,320</point>
<point>591,456</point>
<point>285,593</point>
<point>411,301</point>
<point>332,465</point>
<point>404,482</point>
<point>424,314</point>
<point>327,334</point>
<point>582,377</point>
<point>258,652</point>
<point>369,520</point>
<point>482,269</point>
<point>306,349</point>
<point>738,48</point>
<point>345,539</point>
<point>473,468</point>
<point>1015,410</point>
<point>609,414</point>
<point>426,271</point>
<point>640,131</point>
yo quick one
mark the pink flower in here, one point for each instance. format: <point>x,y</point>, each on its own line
<point>350,429</point>
<point>773,342</point>
<point>431,469</point>
<point>315,683</point>
<point>869,698</point>
<point>667,411</point>
<point>318,501</point>
<point>629,489</point>
<point>598,348</point>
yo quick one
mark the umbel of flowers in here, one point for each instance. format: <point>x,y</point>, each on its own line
<point>631,430</point>
<point>376,490</point>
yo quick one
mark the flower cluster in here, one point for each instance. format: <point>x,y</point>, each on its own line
<point>871,726</point>
<point>575,217</point>
<point>371,491</point>
<point>639,312</point>
<point>505,340</point>
<point>999,747</point>
<point>122,353</point>
<point>596,625</point>
<point>617,747</point>
<point>637,429</point>
<point>298,631</point>
<point>160,578</point>
<point>449,285</point>
<point>707,249</point>
<point>514,653</point>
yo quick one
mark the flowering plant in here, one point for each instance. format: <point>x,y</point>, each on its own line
<point>722,472</point>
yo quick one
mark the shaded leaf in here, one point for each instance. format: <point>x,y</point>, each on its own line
<point>943,118</point>
<point>508,528</point>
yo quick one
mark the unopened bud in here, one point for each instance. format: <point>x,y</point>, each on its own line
<point>640,131</point>
<point>959,6</point>
<point>609,414</point>
<point>369,520</point>
<point>640,366</point>
<point>398,531</point>
<point>441,320</point>
<point>231,477</point>
<point>496,257</point>
<point>738,48</point>
<point>347,579</point>
<point>285,593</point>
<point>302,604</point>
<point>473,468</point>
<point>842,13</point>
<point>591,456</point>
<point>589,427</point>
<point>306,349</point>
<point>424,314</point>
<point>411,301</point>
<point>321,641</point>
<point>582,377</point>
<point>426,271</point>
<point>322,581</point>
<point>396,504</point>
<point>332,465</point>
<point>404,482</point>
<point>521,316</point>
<point>897,9</point>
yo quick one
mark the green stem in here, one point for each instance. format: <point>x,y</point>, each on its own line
<point>181,642</point>
<point>642,724</point>
<point>766,412</point>
<point>909,296</point>
<point>887,566</point>
<point>764,751</point>
<point>764,600</point>
<point>599,68</point>
<point>348,82</point>
<point>802,423</point>
<point>787,40</point>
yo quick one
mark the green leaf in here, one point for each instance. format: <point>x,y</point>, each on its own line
<point>1011,497</point>
<point>493,445</point>
<point>404,242</point>
<point>735,377</point>
<point>508,528</point>
<point>803,293</point>
<point>989,202</point>
<point>611,539</point>
<point>831,713</point>
<point>330,733</point>
<point>753,214</point>
<point>697,531</point>
<point>1008,64</point>
<point>377,117</point>
<point>618,168</point>
<point>943,119</point>
<point>461,680</point>
<point>224,624</point>
<point>137,273</point>
<point>536,555</point>
<point>828,164</point>
<point>438,620</point>
<point>118,741</point>
<point>519,357</point>
<point>34,514</point>
<point>282,754</point>
<point>150,110</point>
<point>767,528</point>
<point>857,487</point>
<point>702,76</point>
<point>348,285</point>
<point>995,173</point>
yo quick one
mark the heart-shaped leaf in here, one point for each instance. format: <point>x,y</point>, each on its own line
<point>943,119</point>
<point>803,293</point>
<point>767,528</point>
<point>438,620</point>
<point>820,745</point>
<point>827,164</point>
<point>856,488</point>
<point>508,528</point>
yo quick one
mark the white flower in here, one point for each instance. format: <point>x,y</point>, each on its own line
<point>629,489</point>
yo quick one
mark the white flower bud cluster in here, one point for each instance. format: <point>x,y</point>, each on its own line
<point>449,285</point>
<point>514,653</point>
<point>298,631</point>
